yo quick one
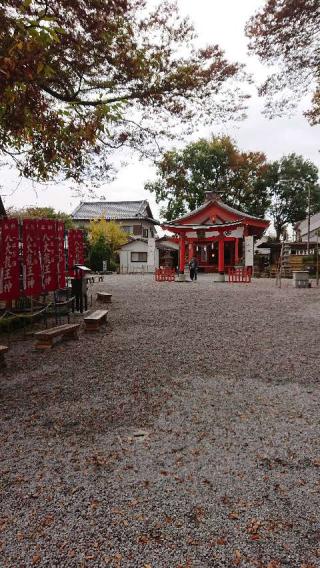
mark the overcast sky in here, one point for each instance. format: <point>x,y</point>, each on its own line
<point>219,22</point>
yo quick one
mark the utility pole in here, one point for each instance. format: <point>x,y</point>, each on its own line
<point>317,260</point>
<point>308,237</point>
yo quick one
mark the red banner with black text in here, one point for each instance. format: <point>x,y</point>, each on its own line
<point>32,284</point>
<point>61,259</point>
<point>48,254</point>
<point>9,259</point>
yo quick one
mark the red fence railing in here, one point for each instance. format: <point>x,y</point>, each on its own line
<point>242,275</point>
<point>164,275</point>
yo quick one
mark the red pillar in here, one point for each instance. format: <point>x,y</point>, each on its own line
<point>190,251</point>
<point>221,254</point>
<point>182,253</point>
<point>236,251</point>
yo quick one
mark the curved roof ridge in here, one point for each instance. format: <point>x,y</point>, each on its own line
<point>217,201</point>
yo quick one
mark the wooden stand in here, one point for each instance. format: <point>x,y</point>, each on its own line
<point>94,321</point>
<point>47,338</point>
<point>104,297</point>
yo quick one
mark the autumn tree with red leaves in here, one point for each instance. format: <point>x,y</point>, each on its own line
<point>286,33</point>
<point>81,78</point>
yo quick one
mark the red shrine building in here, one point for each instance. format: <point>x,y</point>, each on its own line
<point>214,234</point>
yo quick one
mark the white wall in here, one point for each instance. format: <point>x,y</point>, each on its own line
<point>126,266</point>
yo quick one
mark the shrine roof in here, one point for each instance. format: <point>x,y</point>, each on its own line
<point>219,203</point>
<point>207,227</point>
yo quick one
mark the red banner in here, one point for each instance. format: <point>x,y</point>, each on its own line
<point>75,248</point>
<point>9,259</point>
<point>48,254</point>
<point>61,259</point>
<point>31,258</point>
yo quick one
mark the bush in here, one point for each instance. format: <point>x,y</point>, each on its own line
<point>113,265</point>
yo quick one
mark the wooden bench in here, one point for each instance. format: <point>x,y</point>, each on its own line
<point>47,338</point>
<point>95,320</point>
<point>3,350</point>
<point>104,297</point>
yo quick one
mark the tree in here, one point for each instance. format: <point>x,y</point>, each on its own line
<point>216,165</point>
<point>42,213</point>
<point>288,182</point>
<point>285,33</point>
<point>79,80</point>
<point>111,231</point>
<point>99,251</point>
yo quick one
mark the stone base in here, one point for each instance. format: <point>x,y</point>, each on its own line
<point>182,278</point>
<point>219,277</point>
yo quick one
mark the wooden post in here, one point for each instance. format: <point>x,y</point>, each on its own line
<point>182,253</point>
<point>221,254</point>
<point>236,251</point>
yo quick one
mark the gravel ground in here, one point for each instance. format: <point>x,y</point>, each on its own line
<point>184,435</point>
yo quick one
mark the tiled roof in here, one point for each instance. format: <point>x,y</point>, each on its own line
<point>112,210</point>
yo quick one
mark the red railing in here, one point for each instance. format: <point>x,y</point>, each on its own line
<point>242,275</point>
<point>164,275</point>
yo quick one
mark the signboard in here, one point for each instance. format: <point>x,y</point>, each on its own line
<point>9,259</point>
<point>104,265</point>
<point>151,252</point>
<point>249,251</point>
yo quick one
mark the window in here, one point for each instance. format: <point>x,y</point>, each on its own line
<point>137,230</point>
<point>127,229</point>
<point>145,233</point>
<point>139,257</point>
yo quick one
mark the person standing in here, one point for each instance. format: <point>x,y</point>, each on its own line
<point>193,267</point>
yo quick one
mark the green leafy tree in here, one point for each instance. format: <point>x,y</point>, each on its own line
<point>183,177</point>
<point>285,34</point>
<point>99,250</point>
<point>42,213</point>
<point>80,79</point>
<point>288,183</point>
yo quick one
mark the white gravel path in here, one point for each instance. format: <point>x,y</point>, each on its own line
<point>185,435</point>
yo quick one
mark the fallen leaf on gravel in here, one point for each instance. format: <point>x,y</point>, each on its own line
<point>199,514</point>
<point>143,539</point>
<point>237,558</point>
<point>274,564</point>
<point>316,462</point>
<point>36,559</point>
<point>254,526</point>
<point>48,520</point>
<point>147,566</point>
<point>192,541</point>
<point>221,541</point>
<point>233,515</point>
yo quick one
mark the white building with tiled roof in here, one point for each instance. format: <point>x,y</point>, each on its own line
<point>135,217</point>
